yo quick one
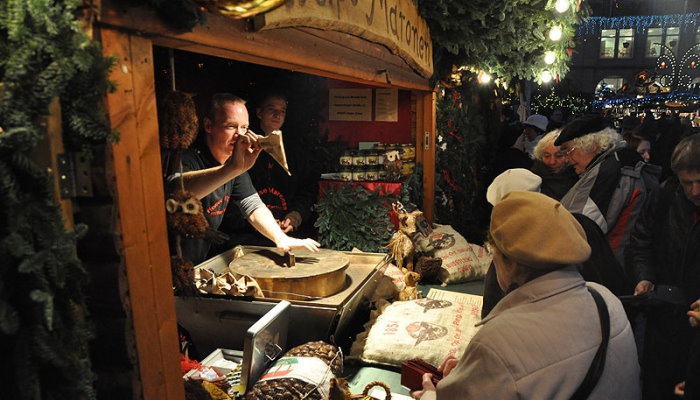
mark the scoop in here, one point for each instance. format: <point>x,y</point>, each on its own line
<point>274,146</point>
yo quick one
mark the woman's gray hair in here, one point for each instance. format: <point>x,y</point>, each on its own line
<point>546,141</point>
<point>597,142</point>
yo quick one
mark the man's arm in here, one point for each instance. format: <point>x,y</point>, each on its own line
<point>639,253</point>
<point>203,182</point>
<point>264,222</point>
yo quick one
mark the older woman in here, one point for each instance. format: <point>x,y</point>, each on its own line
<point>551,164</point>
<point>542,339</point>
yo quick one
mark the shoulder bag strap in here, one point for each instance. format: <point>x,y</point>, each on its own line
<point>595,371</point>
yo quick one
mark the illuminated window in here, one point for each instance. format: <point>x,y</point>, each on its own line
<point>609,85</point>
<point>616,43</point>
<point>667,36</point>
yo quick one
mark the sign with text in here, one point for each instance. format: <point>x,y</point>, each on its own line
<point>395,24</point>
<point>386,106</point>
<point>350,105</point>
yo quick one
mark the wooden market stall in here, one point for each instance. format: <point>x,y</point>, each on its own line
<point>380,44</point>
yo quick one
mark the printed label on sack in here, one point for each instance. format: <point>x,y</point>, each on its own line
<point>311,370</point>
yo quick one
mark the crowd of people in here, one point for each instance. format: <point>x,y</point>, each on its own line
<point>589,214</point>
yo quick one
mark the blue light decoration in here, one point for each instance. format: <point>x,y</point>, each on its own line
<point>686,99</point>
<point>593,25</point>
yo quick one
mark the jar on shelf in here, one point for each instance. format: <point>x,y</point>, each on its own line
<point>407,167</point>
<point>358,158</point>
<point>408,152</point>
<point>372,173</point>
<point>358,173</point>
<point>346,158</point>
<point>381,174</point>
<point>345,173</point>
<point>372,157</point>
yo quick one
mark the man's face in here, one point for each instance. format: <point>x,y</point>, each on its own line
<point>272,114</point>
<point>690,181</point>
<point>230,122</point>
<point>577,158</point>
<point>554,158</point>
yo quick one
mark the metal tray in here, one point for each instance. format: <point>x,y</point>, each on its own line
<point>221,321</point>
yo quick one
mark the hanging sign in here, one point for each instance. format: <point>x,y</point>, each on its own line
<point>350,105</point>
<point>386,105</point>
<point>395,24</point>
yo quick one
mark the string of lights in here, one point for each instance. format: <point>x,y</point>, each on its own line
<point>593,25</point>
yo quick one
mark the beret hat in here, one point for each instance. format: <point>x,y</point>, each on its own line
<point>580,127</point>
<point>536,230</point>
<point>512,179</point>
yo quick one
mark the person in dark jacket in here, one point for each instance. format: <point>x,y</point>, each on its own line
<point>664,250</point>
<point>551,164</point>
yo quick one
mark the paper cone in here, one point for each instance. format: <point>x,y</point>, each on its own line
<point>273,145</point>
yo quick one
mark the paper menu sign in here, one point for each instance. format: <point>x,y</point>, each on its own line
<point>386,106</point>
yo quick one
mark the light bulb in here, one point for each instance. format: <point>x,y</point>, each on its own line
<point>562,5</point>
<point>549,57</point>
<point>555,33</point>
<point>546,77</point>
<point>484,77</point>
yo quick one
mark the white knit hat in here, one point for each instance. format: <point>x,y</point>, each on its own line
<point>510,180</point>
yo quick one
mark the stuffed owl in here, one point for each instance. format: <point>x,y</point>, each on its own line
<point>392,165</point>
<point>186,217</point>
<point>178,121</point>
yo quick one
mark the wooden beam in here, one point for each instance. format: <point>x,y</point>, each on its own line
<point>426,135</point>
<point>324,53</point>
<point>46,156</point>
<point>141,223</point>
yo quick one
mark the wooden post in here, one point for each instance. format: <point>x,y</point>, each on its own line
<point>46,156</point>
<point>425,148</point>
<point>139,198</point>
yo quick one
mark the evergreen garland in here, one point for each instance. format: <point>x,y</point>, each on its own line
<point>507,38</point>
<point>467,130</point>
<point>352,217</point>
<point>44,331</point>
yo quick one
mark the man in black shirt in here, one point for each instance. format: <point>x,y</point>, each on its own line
<point>215,171</point>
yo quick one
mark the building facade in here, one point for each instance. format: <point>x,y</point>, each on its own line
<point>618,47</point>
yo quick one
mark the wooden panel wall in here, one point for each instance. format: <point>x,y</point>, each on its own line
<point>426,125</point>
<point>141,224</point>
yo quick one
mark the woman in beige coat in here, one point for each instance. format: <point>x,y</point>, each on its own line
<point>541,338</point>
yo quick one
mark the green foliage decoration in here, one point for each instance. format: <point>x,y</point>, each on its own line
<point>352,217</point>
<point>467,129</point>
<point>506,38</point>
<point>44,329</point>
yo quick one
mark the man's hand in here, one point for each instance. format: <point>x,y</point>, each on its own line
<point>448,365</point>
<point>694,314</point>
<point>643,287</point>
<point>245,152</point>
<point>291,222</point>
<point>287,243</point>
<point>679,389</point>
<point>427,385</point>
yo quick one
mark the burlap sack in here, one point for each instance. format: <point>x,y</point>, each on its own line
<point>424,328</point>
<point>461,261</point>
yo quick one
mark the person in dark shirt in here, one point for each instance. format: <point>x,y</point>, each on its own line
<point>664,250</point>
<point>215,172</point>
